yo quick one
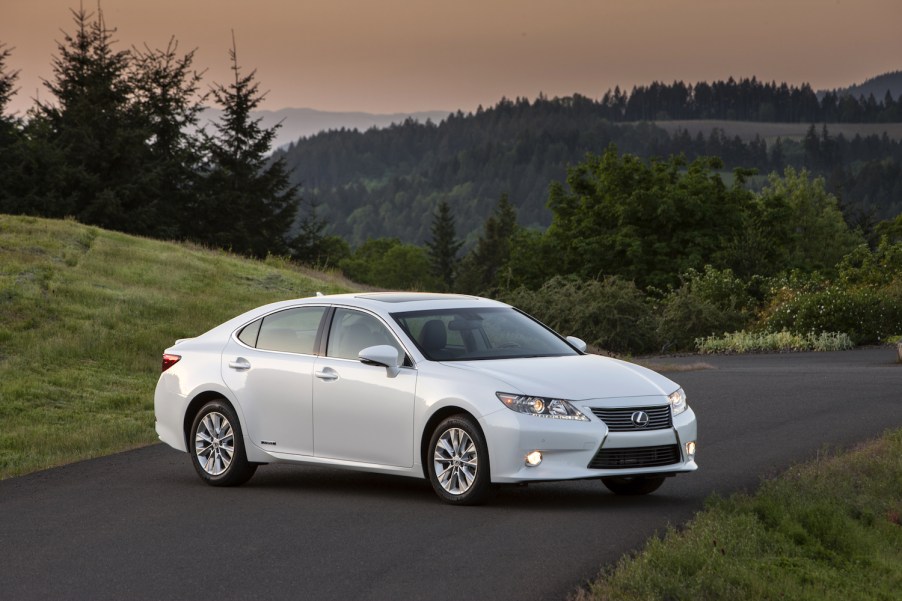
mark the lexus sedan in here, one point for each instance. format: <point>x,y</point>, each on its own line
<point>463,391</point>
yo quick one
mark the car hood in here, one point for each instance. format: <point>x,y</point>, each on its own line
<point>575,378</point>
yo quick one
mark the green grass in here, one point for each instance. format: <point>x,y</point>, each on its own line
<point>84,317</point>
<point>828,530</point>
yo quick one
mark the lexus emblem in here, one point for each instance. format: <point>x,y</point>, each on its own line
<point>639,419</point>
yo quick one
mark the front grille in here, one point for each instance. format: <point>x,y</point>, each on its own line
<point>620,419</point>
<point>618,459</point>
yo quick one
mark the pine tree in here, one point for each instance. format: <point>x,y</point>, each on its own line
<point>247,203</point>
<point>10,133</point>
<point>444,246</point>
<point>94,131</point>
<point>166,97</point>
<point>7,81</point>
<point>479,270</point>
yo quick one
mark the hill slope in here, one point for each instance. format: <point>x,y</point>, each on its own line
<point>84,317</point>
<point>878,86</point>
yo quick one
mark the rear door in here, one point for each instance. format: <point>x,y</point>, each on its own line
<point>269,367</point>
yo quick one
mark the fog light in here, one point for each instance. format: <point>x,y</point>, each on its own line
<point>534,458</point>
<point>690,448</point>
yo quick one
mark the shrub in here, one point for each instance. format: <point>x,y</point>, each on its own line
<point>611,313</point>
<point>867,314</point>
<point>708,302</point>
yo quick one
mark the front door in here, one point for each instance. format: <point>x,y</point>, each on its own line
<point>360,412</point>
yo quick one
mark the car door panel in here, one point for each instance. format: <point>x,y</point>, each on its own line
<point>362,412</point>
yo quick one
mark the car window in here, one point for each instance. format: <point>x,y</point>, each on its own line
<point>249,333</point>
<point>473,334</point>
<point>353,331</point>
<point>290,331</point>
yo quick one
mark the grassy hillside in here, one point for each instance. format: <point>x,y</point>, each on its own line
<point>84,317</point>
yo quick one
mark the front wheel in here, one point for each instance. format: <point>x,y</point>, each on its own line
<point>458,462</point>
<point>218,454</point>
<point>633,485</point>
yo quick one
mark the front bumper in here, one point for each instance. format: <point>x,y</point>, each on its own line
<point>569,447</point>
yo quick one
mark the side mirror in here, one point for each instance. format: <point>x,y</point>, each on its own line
<point>577,343</point>
<point>383,355</point>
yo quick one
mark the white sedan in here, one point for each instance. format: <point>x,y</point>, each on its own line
<point>465,391</point>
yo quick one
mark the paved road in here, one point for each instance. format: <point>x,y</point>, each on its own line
<point>140,525</point>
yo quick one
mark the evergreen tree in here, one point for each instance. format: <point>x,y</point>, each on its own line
<point>312,246</point>
<point>167,99</point>
<point>444,246</point>
<point>93,129</point>
<point>480,269</point>
<point>7,83</point>
<point>247,203</point>
<point>10,132</point>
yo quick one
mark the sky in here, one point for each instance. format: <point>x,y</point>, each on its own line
<point>387,56</point>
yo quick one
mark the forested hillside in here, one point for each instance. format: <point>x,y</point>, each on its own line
<point>388,182</point>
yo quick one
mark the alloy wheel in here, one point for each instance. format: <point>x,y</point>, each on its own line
<point>455,461</point>
<point>214,443</point>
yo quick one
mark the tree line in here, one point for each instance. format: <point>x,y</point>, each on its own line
<point>119,145</point>
<point>746,99</point>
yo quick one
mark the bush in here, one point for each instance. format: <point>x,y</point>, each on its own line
<point>611,313</point>
<point>707,303</point>
<point>388,263</point>
<point>867,314</point>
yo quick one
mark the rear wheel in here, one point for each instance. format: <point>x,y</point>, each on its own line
<point>218,448</point>
<point>458,462</point>
<point>633,485</point>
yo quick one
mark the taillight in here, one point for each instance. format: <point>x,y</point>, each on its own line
<point>170,360</point>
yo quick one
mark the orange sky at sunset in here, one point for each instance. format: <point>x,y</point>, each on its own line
<point>409,55</point>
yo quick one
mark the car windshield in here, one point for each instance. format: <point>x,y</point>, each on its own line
<point>469,334</point>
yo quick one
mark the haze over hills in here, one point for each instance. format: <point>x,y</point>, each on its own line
<point>297,123</point>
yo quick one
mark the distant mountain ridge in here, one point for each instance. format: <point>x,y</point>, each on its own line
<point>878,86</point>
<point>297,123</point>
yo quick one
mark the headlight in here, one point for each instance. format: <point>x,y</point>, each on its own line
<point>678,401</point>
<point>541,407</point>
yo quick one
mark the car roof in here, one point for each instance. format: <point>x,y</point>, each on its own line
<point>394,302</point>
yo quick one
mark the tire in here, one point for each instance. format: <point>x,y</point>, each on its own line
<point>633,485</point>
<point>217,446</point>
<point>457,461</point>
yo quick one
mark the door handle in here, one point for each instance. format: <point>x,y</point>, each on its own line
<point>328,374</point>
<point>240,364</point>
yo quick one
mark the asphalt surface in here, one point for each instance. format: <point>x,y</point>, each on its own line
<point>141,525</point>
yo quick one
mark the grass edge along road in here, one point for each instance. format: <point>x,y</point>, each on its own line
<point>84,317</point>
<point>828,529</point>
